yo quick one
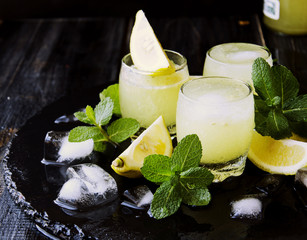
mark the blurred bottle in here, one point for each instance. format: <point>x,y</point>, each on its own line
<point>286,16</point>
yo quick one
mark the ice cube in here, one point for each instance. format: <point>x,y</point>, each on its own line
<point>140,197</point>
<point>68,118</point>
<point>243,56</point>
<point>213,98</point>
<point>55,172</point>
<point>74,150</point>
<point>57,148</point>
<point>97,213</point>
<point>52,145</point>
<point>301,176</point>
<point>59,154</point>
<point>249,207</point>
<point>269,184</point>
<point>300,185</point>
<point>88,185</point>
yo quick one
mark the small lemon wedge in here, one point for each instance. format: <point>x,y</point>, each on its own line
<point>284,156</point>
<point>154,140</point>
<point>146,51</point>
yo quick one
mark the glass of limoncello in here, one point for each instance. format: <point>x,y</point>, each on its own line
<point>145,95</point>
<point>220,111</point>
<point>234,60</point>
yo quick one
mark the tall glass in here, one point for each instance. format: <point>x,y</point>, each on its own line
<point>234,60</point>
<point>220,111</point>
<point>145,96</point>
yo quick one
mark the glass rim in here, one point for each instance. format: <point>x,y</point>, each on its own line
<point>247,85</point>
<point>231,63</point>
<point>177,69</point>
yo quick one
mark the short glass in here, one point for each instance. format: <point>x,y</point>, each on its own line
<point>234,60</point>
<point>145,96</point>
<point>220,111</point>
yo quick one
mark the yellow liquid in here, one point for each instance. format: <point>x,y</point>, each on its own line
<point>145,96</point>
<point>234,60</point>
<point>292,17</point>
<point>224,126</point>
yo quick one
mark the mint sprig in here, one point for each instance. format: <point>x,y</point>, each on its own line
<point>179,176</point>
<point>102,130</point>
<point>278,107</point>
<point>113,92</point>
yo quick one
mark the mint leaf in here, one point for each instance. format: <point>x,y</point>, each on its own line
<point>157,168</point>
<point>180,177</point>
<point>277,106</point>
<point>196,197</point>
<point>278,125</point>
<point>122,128</point>
<point>103,111</point>
<point>296,109</point>
<point>118,130</point>
<point>83,133</point>
<point>196,177</point>
<point>289,86</point>
<point>100,146</point>
<point>187,154</point>
<point>166,200</point>
<point>113,92</point>
<point>82,117</point>
<point>89,111</point>
<point>264,83</point>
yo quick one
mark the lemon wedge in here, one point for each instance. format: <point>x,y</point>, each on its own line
<point>284,156</point>
<point>146,51</point>
<point>154,140</point>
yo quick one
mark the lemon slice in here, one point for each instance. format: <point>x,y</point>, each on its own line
<point>284,156</point>
<point>146,51</point>
<point>154,140</point>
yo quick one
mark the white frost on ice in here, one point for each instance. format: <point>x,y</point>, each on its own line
<point>88,185</point>
<point>146,200</point>
<point>73,150</point>
<point>248,207</point>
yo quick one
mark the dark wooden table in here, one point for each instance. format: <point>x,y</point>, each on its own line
<point>42,60</point>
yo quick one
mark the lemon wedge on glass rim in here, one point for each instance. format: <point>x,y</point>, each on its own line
<point>154,140</point>
<point>146,51</point>
<point>283,156</point>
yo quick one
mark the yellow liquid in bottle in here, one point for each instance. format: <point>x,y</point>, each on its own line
<point>286,16</point>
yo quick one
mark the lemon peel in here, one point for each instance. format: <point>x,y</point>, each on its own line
<point>154,140</point>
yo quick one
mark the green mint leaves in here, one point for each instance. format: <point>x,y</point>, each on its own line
<point>102,130</point>
<point>278,108</point>
<point>179,176</point>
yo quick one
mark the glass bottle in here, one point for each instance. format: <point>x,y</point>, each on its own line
<point>286,16</point>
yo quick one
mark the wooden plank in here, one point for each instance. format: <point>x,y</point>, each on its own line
<point>192,37</point>
<point>42,60</point>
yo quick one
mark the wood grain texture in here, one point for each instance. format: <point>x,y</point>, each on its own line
<point>43,60</point>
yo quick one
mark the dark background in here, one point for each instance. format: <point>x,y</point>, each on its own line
<point>94,8</point>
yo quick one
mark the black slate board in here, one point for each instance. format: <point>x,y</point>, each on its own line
<point>284,216</point>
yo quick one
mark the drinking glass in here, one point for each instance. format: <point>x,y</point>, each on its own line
<point>234,60</point>
<point>145,96</point>
<point>220,111</point>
